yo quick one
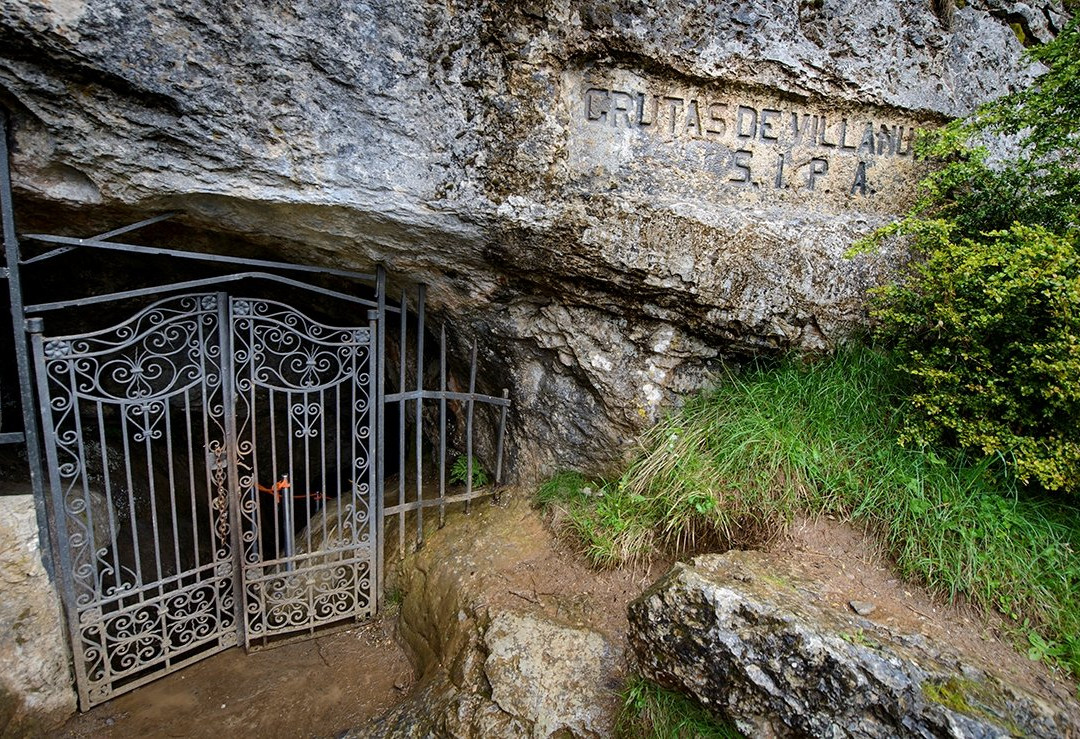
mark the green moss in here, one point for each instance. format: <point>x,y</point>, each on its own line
<point>1019,31</point>
<point>977,699</point>
<point>949,693</point>
<point>860,638</point>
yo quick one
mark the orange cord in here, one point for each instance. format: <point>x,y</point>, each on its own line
<point>284,484</point>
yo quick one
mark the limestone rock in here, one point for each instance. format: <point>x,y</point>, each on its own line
<point>753,645</point>
<point>616,197</point>
<point>36,693</point>
<point>550,675</point>
<point>489,671</point>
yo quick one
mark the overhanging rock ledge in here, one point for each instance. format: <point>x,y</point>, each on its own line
<point>618,196</point>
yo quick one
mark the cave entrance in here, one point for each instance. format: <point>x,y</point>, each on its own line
<point>210,456</point>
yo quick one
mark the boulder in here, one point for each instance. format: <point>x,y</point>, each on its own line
<point>549,674</point>
<point>757,646</point>
<point>36,689</point>
<point>616,197</point>
<point>493,664</point>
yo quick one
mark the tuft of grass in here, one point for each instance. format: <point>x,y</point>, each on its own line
<point>651,712</point>
<point>736,464</point>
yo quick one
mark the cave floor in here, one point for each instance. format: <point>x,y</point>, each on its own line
<point>338,682</point>
<point>316,688</point>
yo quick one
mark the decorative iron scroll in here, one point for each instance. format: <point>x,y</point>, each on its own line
<point>134,416</point>
<point>304,428</point>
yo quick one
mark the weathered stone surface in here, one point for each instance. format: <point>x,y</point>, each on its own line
<point>616,196</point>
<point>488,670</point>
<point>36,693</point>
<point>549,674</point>
<point>753,644</point>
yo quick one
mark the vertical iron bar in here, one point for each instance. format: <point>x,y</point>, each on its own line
<point>401,428</point>
<point>499,444</point>
<point>172,485</point>
<point>131,502</point>
<point>339,430</point>
<point>107,480</point>
<point>468,429</point>
<point>305,491</point>
<point>287,493</point>
<point>88,511</point>
<point>378,367</point>
<point>353,433</point>
<point>196,560</point>
<point>210,461</point>
<point>442,425</point>
<point>373,541</point>
<point>324,484</point>
<point>22,358</point>
<point>353,504</point>
<point>421,295</point>
<point>270,411</point>
<point>228,390</point>
<point>66,582</point>
<point>153,499</point>
<point>253,491</point>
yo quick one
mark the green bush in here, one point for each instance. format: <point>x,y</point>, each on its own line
<point>989,333</point>
<point>459,472</point>
<point>986,314</point>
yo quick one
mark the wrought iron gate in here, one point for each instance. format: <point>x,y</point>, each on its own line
<point>216,471</point>
<point>305,424</point>
<point>118,405</point>
<point>203,415</point>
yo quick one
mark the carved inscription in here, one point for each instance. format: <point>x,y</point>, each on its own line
<point>799,152</point>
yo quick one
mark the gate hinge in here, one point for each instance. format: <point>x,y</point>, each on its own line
<point>5,272</point>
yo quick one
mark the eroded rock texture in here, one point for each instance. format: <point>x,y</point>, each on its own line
<point>615,195</point>
<point>35,679</point>
<point>489,668</point>
<point>754,643</point>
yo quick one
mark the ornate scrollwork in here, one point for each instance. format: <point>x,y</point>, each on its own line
<point>289,351</point>
<point>139,388</point>
<point>115,399</point>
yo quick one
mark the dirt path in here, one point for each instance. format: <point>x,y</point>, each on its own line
<point>317,688</point>
<point>848,565</point>
<point>324,687</point>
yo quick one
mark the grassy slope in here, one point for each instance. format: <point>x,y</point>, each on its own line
<point>739,462</point>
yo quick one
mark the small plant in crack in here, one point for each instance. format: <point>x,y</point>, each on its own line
<point>459,472</point>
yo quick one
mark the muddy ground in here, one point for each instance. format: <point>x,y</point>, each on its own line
<point>323,687</point>
<point>317,688</point>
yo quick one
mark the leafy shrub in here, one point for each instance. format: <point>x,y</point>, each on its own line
<point>986,315</point>
<point>459,472</point>
<point>989,333</point>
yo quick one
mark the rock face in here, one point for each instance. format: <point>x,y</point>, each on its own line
<point>548,673</point>
<point>754,646</point>
<point>492,664</point>
<point>614,195</point>
<point>36,693</point>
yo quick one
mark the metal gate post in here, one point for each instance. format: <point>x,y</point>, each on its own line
<point>228,399</point>
<point>379,367</point>
<point>31,436</point>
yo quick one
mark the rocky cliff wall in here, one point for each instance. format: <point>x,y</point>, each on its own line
<point>616,196</point>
